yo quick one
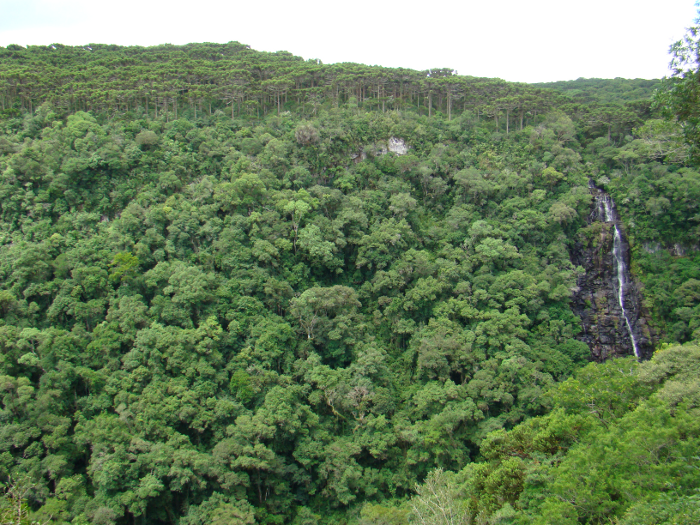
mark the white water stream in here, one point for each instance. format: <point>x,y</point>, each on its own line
<point>605,210</point>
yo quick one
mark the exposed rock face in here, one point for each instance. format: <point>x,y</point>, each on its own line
<point>358,157</point>
<point>393,145</point>
<point>397,146</point>
<point>676,249</point>
<point>608,300</point>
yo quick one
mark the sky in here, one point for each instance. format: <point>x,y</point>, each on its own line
<point>516,40</point>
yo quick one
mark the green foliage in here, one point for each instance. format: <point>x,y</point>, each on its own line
<point>435,502</point>
<point>618,446</point>
<point>224,300</point>
<point>586,90</point>
<point>124,267</point>
<point>384,515</point>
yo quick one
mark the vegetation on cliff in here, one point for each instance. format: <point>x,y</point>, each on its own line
<point>225,300</point>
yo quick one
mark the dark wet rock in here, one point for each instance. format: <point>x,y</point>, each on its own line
<point>596,302</point>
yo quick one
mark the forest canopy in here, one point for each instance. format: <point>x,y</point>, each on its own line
<point>241,287</point>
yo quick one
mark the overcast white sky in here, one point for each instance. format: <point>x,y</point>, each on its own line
<point>518,40</point>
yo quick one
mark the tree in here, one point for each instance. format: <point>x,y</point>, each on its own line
<point>306,134</point>
<point>146,138</point>
<point>14,509</point>
<point>124,267</point>
<point>316,305</point>
<point>611,117</point>
<point>680,95</point>
<point>436,502</point>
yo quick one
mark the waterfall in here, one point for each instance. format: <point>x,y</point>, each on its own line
<point>606,298</point>
<point>604,211</point>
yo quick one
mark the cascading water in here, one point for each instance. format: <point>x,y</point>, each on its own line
<point>605,212</point>
<point>606,298</point>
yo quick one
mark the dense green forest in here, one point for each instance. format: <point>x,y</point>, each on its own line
<point>587,90</point>
<point>240,287</point>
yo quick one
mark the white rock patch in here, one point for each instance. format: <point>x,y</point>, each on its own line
<point>397,146</point>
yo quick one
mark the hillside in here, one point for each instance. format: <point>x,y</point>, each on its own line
<point>238,287</point>
<point>602,90</point>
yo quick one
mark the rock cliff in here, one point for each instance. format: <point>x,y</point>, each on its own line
<point>608,300</point>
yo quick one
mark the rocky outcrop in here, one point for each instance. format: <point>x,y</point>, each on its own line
<point>675,249</point>
<point>398,146</point>
<point>393,144</point>
<point>608,300</point>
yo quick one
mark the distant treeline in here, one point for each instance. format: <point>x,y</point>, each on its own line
<point>605,90</point>
<point>236,79</point>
